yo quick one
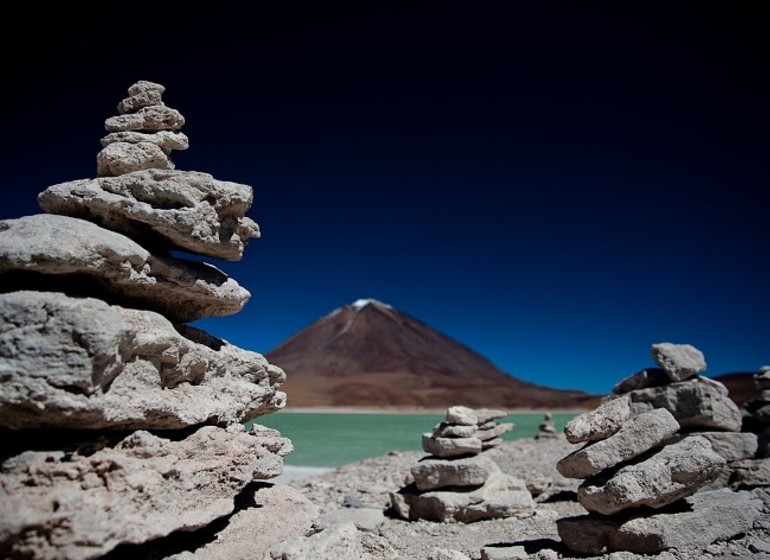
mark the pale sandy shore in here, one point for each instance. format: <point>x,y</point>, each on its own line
<point>414,410</point>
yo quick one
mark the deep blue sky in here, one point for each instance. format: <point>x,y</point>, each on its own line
<point>557,186</point>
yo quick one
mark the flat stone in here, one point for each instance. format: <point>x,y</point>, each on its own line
<point>71,506</point>
<point>675,471</point>
<point>145,98</point>
<point>445,430</point>
<point>80,363</point>
<point>279,513</point>
<point>762,378</point>
<point>494,432</point>
<point>185,210</point>
<point>461,415</point>
<point>122,157</point>
<point>638,435</point>
<point>484,415</point>
<point>650,377</point>
<point>599,423</point>
<point>707,517</point>
<point>490,443</point>
<point>62,253</point>
<point>430,474</point>
<point>502,496</point>
<point>699,403</point>
<point>450,447</point>
<point>146,119</point>
<point>341,542</point>
<point>733,446</point>
<point>750,473</point>
<point>164,139</point>
<point>515,552</point>
<point>679,361</point>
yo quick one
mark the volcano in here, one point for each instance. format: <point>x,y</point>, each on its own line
<point>368,354</point>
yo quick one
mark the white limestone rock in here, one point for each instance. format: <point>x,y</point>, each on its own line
<point>599,423</point>
<point>450,447</point>
<point>185,210</point>
<point>341,542</point>
<point>146,119</point>
<point>706,518</point>
<point>72,507</point>
<point>462,416</point>
<point>445,430</point>
<point>429,473</point>
<point>164,139</point>
<point>80,363</point>
<point>675,471</point>
<point>679,361</point>
<point>502,496</point>
<point>145,98</point>
<point>494,431</point>
<point>82,258</point>
<point>484,415</point>
<point>732,446</point>
<point>122,157</point>
<point>698,403</point>
<point>637,435</point>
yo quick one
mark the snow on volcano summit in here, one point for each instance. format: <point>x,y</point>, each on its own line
<point>361,303</point>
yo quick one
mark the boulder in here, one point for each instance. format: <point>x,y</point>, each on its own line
<point>637,435</point>
<point>679,361</point>
<point>146,119</point>
<point>599,423</point>
<point>184,210</point>
<point>68,254</point>
<point>698,403</point>
<point>707,517</point>
<point>430,474</point>
<point>80,363</point>
<point>71,506</point>
<point>122,157</point>
<point>673,472</point>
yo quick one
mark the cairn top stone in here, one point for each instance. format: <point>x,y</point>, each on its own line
<point>679,361</point>
<point>461,415</point>
<point>143,86</point>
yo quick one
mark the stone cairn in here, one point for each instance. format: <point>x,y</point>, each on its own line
<point>754,472</point>
<point>664,437</point>
<point>547,429</point>
<point>120,425</point>
<point>457,482</point>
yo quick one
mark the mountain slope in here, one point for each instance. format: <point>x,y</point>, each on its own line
<point>369,354</point>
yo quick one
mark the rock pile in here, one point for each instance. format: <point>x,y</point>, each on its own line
<point>664,435</point>
<point>547,429</point>
<point>457,482</point>
<point>755,471</point>
<point>120,424</point>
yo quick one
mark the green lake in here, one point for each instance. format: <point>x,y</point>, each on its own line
<point>331,439</point>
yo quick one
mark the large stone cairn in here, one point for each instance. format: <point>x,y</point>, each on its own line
<point>754,472</point>
<point>652,449</point>
<point>457,482</point>
<point>119,423</point>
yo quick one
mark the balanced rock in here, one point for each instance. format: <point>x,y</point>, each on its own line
<point>166,140</point>
<point>80,363</point>
<point>86,259</point>
<point>118,158</point>
<point>546,429</point>
<point>450,446</point>
<point>600,423</point>
<point>679,361</point>
<point>171,209</point>
<point>57,505</point>
<point>430,473</point>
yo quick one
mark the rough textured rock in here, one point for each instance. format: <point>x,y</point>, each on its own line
<point>164,139</point>
<point>750,473</point>
<point>450,447</point>
<point>430,473</point>
<point>733,446</point>
<point>88,259</point>
<point>144,86</point>
<point>279,513</point>
<point>650,377</point>
<point>504,553</point>
<point>638,435</point>
<point>462,416</point>
<point>446,554</point>
<point>446,430</point>
<point>679,361</point>
<point>674,472</point>
<point>365,519</point>
<point>341,542</point>
<point>187,210</point>
<point>145,98</point>
<point>70,506</point>
<point>146,119</point>
<point>600,423</point>
<point>80,363</point>
<point>485,415</point>
<point>122,157</point>
<point>697,403</point>
<point>501,496</point>
<point>708,517</point>
<point>494,431</point>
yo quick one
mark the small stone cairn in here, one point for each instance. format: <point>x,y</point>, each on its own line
<point>547,429</point>
<point>652,449</point>
<point>754,472</point>
<point>457,482</point>
<point>121,425</point>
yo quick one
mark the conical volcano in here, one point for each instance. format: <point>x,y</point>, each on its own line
<point>368,354</point>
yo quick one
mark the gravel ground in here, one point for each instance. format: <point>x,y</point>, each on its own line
<point>367,483</point>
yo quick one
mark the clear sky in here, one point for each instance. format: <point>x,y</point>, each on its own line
<point>557,185</point>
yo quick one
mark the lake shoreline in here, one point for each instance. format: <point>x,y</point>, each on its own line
<point>413,410</point>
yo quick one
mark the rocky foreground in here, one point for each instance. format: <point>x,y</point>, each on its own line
<point>359,493</point>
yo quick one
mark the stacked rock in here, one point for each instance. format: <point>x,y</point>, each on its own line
<point>547,429</point>
<point>120,424</point>
<point>649,448</point>
<point>142,135</point>
<point>457,481</point>
<point>755,471</point>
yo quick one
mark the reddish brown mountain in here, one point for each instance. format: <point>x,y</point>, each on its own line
<point>369,355</point>
<point>741,386</point>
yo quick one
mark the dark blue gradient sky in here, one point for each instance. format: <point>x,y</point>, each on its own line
<point>557,186</point>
